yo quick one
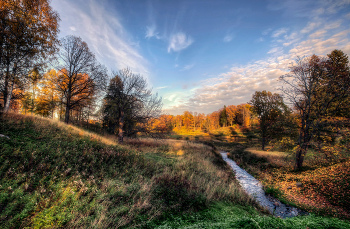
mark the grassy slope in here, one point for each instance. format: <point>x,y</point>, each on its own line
<point>52,175</point>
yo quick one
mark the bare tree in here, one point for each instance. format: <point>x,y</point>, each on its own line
<point>28,37</point>
<point>80,76</point>
<point>316,88</point>
<point>129,104</point>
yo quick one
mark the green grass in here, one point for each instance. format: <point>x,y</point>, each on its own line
<point>226,215</point>
<point>57,176</point>
<point>53,175</point>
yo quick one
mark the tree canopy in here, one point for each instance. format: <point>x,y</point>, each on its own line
<point>28,38</point>
<point>129,101</point>
<point>317,87</point>
<point>269,108</point>
<point>80,76</point>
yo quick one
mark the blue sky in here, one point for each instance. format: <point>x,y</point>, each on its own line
<point>202,55</point>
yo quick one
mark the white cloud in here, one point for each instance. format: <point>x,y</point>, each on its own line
<point>233,87</point>
<point>279,32</point>
<point>333,25</point>
<point>320,46</point>
<point>171,97</point>
<point>187,67</point>
<point>309,27</point>
<point>151,32</point>
<point>260,39</point>
<point>347,16</point>
<point>318,33</point>
<point>102,30</point>
<point>334,6</point>
<point>275,50</point>
<point>161,87</point>
<point>318,11</point>
<point>179,41</point>
<point>228,38</point>
<point>266,31</point>
<point>237,85</point>
<point>72,28</point>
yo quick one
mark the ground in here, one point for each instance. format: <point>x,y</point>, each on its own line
<point>53,175</point>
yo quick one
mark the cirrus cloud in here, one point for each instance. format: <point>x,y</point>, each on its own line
<point>179,41</point>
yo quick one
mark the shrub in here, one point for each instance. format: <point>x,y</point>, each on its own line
<point>285,144</point>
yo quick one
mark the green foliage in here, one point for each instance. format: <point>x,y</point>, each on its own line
<point>113,111</point>
<point>338,71</point>
<point>285,144</point>
<point>272,114</point>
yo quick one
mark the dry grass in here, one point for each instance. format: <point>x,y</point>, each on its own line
<point>274,157</point>
<point>41,122</point>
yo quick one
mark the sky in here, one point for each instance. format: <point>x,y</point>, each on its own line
<point>201,55</point>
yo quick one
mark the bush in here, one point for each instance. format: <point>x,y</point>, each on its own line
<point>285,144</point>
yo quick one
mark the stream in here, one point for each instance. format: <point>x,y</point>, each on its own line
<point>255,189</point>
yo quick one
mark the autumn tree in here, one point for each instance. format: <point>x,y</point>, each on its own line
<point>223,117</point>
<point>188,120</point>
<point>28,37</point>
<point>269,108</point>
<point>129,104</point>
<point>231,111</point>
<point>163,124</point>
<point>214,120</point>
<point>242,114</point>
<point>79,74</point>
<point>48,98</point>
<point>178,121</point>
<point>317,87</point>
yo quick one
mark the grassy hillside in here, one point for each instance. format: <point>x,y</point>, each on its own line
<point>55,175</point>
<point>58,176</point>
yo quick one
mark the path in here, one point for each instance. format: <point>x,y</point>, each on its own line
<point>254,188</point>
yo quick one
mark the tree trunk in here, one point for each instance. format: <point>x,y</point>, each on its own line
<point>300,155</point>
<point>303,143</point>
<point>66,117</point>
<point>33,98</point>
<point>263,143</point>
<point>121,125</point>
<point>263,134</point>
<point>7,100</point>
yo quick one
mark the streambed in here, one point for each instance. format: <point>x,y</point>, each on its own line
<point>255,189</point>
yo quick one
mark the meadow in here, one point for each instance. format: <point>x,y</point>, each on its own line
<point>54,175</point>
